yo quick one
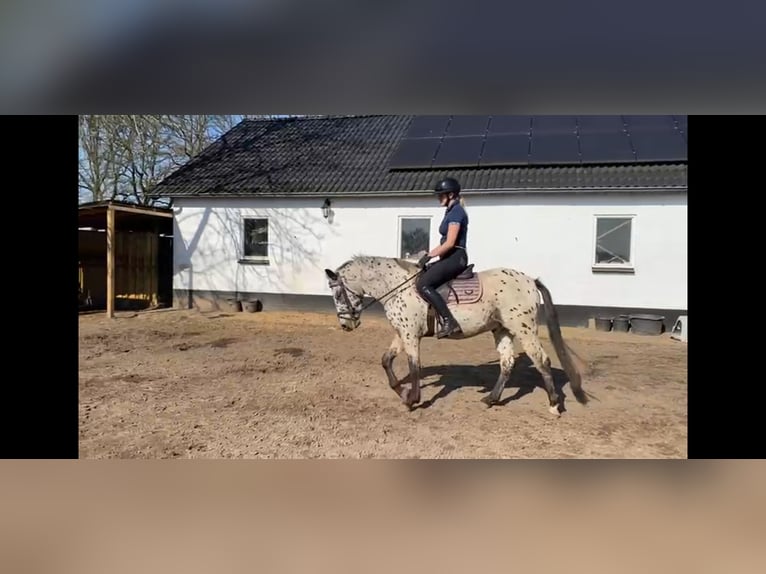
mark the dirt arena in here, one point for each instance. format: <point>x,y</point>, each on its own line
<point>185,384</point>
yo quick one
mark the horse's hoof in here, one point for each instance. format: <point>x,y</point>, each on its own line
<point>410,404</point>
<point>554,410</point>
<point>488,401</point>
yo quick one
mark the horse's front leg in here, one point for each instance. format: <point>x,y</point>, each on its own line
<point>412,348</point>
<point>388,364</point>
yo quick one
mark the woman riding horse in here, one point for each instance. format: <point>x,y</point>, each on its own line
<point>451,251</point>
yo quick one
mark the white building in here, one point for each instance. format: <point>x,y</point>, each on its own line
<point>595,206</point>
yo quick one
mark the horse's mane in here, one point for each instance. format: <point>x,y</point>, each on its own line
<point>405,264</point>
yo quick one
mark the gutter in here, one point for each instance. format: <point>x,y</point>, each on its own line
<point>424,193</point>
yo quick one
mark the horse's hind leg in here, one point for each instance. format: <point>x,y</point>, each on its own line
<point>542,363</point>
<point>504,344</point>
<point>388,361</point>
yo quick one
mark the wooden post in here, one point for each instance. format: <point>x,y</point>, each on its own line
<point>110,245</point>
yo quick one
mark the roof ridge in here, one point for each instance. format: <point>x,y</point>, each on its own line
<point>320,117</point>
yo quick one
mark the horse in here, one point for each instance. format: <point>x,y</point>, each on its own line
<point>501,300</point>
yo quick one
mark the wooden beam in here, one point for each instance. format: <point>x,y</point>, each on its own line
<point>140,211</point>
<point>110,248</point>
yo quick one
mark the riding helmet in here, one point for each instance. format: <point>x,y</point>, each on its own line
<point>447,185</point>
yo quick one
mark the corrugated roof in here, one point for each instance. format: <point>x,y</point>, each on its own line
<point>350,155</point>
<point>103,204</point>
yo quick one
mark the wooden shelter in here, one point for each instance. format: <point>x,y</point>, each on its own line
<point>125,255</point>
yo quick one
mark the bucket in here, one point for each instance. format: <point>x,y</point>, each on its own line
<point>252,306</point>
<point>647,324</point>
<point>603,323</point>
<point>622,323</point>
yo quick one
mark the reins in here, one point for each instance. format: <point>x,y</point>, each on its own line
<point>374,300</point>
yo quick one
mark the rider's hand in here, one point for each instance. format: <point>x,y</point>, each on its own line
<point>424,260</point>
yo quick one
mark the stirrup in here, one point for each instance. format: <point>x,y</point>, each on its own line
<point>447,329</point>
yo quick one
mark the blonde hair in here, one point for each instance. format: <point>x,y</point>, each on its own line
<point>459,199</point>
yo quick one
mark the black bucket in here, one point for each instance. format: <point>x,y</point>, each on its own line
<point>254,306</point>
<point>647,324</point>
<point>603,323</point>
<point>621,323</point>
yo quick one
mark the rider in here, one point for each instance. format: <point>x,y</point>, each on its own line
<point>453,258</point>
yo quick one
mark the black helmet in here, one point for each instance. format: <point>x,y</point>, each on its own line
<point>447,185</point>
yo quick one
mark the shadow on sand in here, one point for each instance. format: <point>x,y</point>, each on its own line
<point>524,378</point>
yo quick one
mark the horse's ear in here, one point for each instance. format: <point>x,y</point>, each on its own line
<point>331,275</point>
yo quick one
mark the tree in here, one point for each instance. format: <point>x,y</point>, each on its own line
<point>122,157</point>
<point>98,158</point>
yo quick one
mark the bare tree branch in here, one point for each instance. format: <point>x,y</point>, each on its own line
<point>125,156</point>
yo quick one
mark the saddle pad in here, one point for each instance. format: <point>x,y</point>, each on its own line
<point>462,291</point>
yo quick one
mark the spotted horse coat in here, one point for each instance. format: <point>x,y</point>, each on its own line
<point>507,306</point>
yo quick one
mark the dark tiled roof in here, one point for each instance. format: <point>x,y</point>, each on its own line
<point>350,154</point>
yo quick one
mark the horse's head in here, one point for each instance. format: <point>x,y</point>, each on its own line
<point>348,299</point>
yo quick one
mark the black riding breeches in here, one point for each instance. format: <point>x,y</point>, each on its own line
<point>446,269</point>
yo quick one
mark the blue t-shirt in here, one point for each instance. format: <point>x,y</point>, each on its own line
<point>455,214</point>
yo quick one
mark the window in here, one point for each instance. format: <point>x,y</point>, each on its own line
<point>256,239</point>
<point>614,239</point>
<point>414,236</point>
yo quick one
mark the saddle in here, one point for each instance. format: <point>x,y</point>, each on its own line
<point>464,289</point>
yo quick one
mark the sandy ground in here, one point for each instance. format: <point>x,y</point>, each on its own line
<point>185,384</point>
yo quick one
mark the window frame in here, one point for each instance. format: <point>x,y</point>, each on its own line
<point>254,259</point>
<point>401,218</point>
<point>630,266</point>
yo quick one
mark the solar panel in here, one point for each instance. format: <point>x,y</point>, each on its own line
<point>459,151</point>
<point>659,145</point>
<point>468,126</point>
<point>600,124</point>
<point>553,148</point>
<point>649,122</point>
<point>510,124</point>
<point>554,124</point>
<point>427,126</point>
<point>507,149</point>
<point>604,147</point>
<point>414,153</point>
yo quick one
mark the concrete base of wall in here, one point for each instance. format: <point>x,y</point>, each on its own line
<point>569,315</point>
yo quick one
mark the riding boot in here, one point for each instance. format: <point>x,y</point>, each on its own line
<point>448,322</point>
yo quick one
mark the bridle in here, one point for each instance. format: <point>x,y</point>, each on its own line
<point>353,311</point>
<point>347,309</point>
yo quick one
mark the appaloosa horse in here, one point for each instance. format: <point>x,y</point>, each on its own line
<point>500,300</point>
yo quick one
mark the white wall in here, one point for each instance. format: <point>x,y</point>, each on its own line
<point>550,236</point>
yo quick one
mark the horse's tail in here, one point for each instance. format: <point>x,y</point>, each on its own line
<point>575,378</point>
